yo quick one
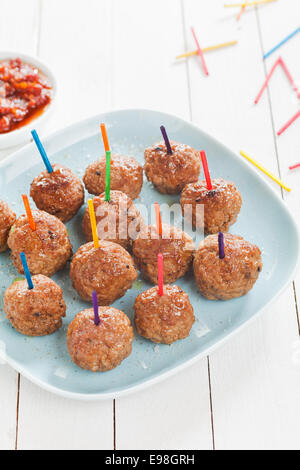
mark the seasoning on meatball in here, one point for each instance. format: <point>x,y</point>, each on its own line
<point>176,247</point>
<point>59,193</point>
<point>126,175</point>
<point>164,319</point>
<point>118,220</point>
<point>222,204</point>
<point>108,270</point>
<point>7,219</point>
<point>48,248</point>
<point>170,173</point>
<point>232,276</point>
<point>102,347</point>
<point>38,311</point>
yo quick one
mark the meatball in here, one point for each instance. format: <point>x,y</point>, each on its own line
<point>60,193</point>
<point>35,312</point>
<point>7,218</point>
<point>166,318</point>
<point>118,220</point>
<point>170,173</point>
<point>108,270</point>
<point>102,347</point>
<point>222,204</point>
<point>176,247</point>
<point>126,176</point>
<point>48,248</point>
<point>230,277</point>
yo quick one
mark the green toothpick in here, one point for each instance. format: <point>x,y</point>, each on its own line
<point>107,179</point>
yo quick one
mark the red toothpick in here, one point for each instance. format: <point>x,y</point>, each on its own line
<point>158,219</point>
<point>160,268</point>
<point>267,81</point>
<point>293,167</point>
<point>200,53</point>
<point>288,74</point>
<point>206,170</point>
<point>289,123</point>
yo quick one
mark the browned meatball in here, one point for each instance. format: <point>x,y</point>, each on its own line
<point>35,312</point>
<point>7,218</point>
<point>222,204</point>
<point>108,270</point>
<point>47,248</point>
<point>60,193</point>
<point>166,318</point>
<point>102,347</point>
<point>170,173</point>
<point>118,220</point>
<point>126,176</point>
<point>176,247</point>
<point>230,277</point>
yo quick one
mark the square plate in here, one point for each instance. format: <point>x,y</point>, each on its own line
<point>264,220</point>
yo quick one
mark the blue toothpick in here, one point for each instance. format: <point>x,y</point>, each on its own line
<point>42,151</point>
<point>26,271</point>
<point>282,42</point>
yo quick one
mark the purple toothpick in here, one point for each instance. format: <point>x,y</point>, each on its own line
<point>166,139</point>
<point>96,309</point>
<point>221,246</point>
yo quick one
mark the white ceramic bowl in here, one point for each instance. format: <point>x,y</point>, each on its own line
<point>22,134</point>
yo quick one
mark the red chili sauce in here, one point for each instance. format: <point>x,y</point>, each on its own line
<point>24,94</point>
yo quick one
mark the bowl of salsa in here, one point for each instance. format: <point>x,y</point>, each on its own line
<point>27,94</point>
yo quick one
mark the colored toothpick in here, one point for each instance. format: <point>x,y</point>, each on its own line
<point>207,49</point>
<point>166,139</point>
<point>104,137</point>
<point>206,170</point>
<point>288,74</point>
<point>243,9</point>
<point>200,53</point>
<point>289,123</point>
<point>96,308</point>
<point>264,170</point>
<point>221,245</point>
<point>158,219</point>
<point>42,151</point>
<point>293,167</point>
<point>28,212</point>
<point>265,84</point>
<point>247,4</point>
<point>160,270</point>
<point>281,43</point>
<point>26,271</point>
<point>107,176</point>
<point>93,223</point>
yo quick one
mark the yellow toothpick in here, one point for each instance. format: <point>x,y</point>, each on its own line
<point>207,49</point>
<point>260,167</point>
<point>247,4</point>
<point>93,223</point>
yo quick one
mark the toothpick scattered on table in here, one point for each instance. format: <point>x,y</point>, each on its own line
<point>264,170</point>
<point>281,43</point>
<point>289,123</point>
<point>207,49</point>
<point>200,53</point>
<point>247,4</point>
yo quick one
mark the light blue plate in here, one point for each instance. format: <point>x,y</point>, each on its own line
<point>264,220</point>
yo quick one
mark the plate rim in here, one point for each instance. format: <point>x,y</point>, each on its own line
<point>174,370</point>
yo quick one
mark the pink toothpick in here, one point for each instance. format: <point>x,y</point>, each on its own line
<point>200,53</point>
<point>267,81</point>
<point>289,123</point>
<point>293,167</point>
<point>288,74</point>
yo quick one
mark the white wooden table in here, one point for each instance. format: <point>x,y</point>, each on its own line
<point>120,53</point>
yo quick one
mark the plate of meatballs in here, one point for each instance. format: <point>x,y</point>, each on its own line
<point>91,320</point>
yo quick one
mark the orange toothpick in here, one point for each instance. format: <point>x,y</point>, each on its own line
<point>158,219</point>
<point>104,137</point>
<point>28,212</point>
